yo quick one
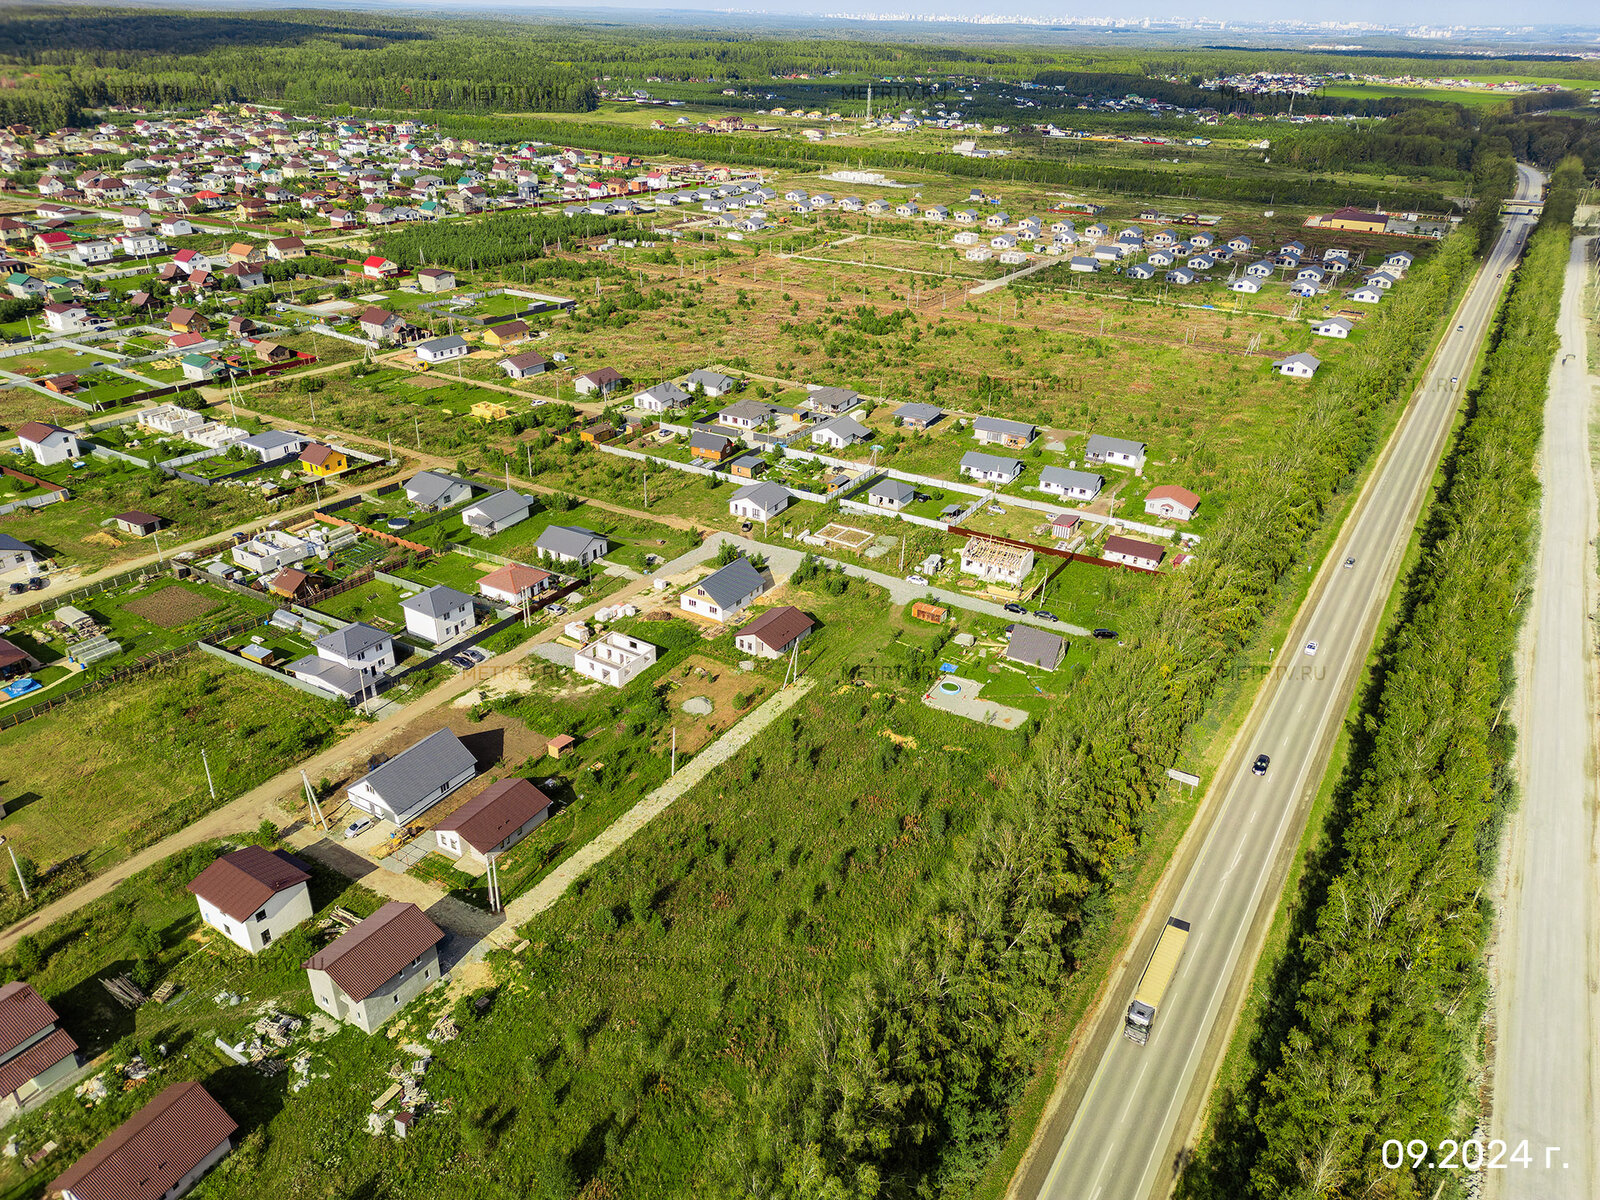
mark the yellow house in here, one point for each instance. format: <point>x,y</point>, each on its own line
<point>505,333</point>
<point>488,410</point>
<point>318,459</point>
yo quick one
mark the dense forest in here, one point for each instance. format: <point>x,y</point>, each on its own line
<point>1383,992</point>
<point>85,58</point>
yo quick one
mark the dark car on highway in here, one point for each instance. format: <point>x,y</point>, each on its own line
<point>1261,764</point>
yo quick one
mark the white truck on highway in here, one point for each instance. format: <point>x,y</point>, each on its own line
<point>1153,983</point>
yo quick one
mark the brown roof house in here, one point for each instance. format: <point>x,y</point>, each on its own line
<point>495,820</point>
<point>291,583</point>
<point>774,632</point>
<point>380,966</point>
<point>253,896</point>
<point>33,1053</point>
<point>137,523</point>
<point>157,1154</point>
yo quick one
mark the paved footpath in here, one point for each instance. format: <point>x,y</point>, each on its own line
<point>554,885</point>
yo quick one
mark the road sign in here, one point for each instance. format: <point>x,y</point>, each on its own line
<point>1183,777</point>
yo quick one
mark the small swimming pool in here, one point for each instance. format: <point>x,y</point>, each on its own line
<point>950,687</point>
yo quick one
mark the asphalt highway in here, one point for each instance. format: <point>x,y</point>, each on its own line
<point>1129,1124</point>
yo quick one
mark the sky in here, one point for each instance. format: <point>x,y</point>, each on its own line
<point>1411,13</point>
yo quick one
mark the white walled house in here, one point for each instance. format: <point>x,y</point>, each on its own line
<point>891,495</point>
<point>439,614</point>
<point>34,1051</point>
<point>614,658</point>
<point>1131,552</point>
<point>988,468</point>
<point>414,780</point>
<point>759,501</point>
<point>724,593</point>
<point>775,632</point>
<point>49,444</point>
<point>1069,484</point>
<point>159,1153</point>
<point>572,544</point>
<point>360,647</point>
<point>1297,366</point>
<point>1171,501</point>
<point>493,821</point>
<point>370,973</point>
<point>253,896</point>
<point>491,514</point>
<point>1118,451</point>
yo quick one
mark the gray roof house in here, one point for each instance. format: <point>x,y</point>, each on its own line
<point>1036,647</point>
<point>1115,450</point>
<point>572,544</point>
<point>712,383</point>
<point>348,662</point>
<point>274,444</point>
<point>1297,366</point>
<point>416,779</point>
<point>724,593</point>
<point>891,494</point>
<point>994,431</point>
<point>434,489</point>
<point>759,501</point>
<point>1076,485</point>
<point>918,416</point>
<point>493,513</point>
<point>840,432</point>
<point>990,468</point>
<point>661,397</point>
<point>831,399</point>
<point>439,614</point>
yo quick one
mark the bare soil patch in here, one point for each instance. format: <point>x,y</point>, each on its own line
<point>173,606</point>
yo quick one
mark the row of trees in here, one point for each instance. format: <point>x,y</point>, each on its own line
<point>910,1075</point>
<point>491,241</point>
<point>1385,987</point>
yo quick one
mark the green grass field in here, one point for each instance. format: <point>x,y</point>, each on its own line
<point>134,774</point>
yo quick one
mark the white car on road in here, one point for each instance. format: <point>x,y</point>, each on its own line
<point>1311,648</point>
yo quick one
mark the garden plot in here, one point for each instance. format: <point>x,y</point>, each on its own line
<point>846,536</point>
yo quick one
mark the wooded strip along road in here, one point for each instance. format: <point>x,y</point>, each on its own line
<point>1120,1123</point>
<point>1547,1046</point>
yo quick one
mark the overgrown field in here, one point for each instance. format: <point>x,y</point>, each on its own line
<point>92,781</point>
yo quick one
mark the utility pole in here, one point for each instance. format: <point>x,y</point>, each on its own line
<point>317,817</point>
<point>23,883</point>
<point>674,751</point>
<point>206,762</point>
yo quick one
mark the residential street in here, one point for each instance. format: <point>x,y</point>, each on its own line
<point>1547,957</point>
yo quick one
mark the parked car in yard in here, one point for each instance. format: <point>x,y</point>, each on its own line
<point>357,827</point>
<point>474,655</point>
